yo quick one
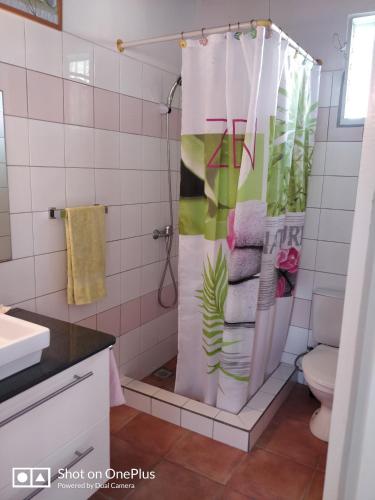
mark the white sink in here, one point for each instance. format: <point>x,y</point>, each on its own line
<point>21,344</point>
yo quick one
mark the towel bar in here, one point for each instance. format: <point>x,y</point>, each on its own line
<point>59,213</point>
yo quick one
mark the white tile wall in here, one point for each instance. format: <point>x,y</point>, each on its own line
<point>106,69</point>
<point>130,284</point>
<point>107,153</point>
<point>152,84</point>
<point>339,192</point>
<point>12,28</point>
<point>311,227</point>
<point>22,235</point>
<point>60,164</point>
<point>130,77</point>
<point>329,216</point>
<point>17,140</point>
<point>108,188</point>
<point>80,186</point>
<point>131,187</point>
<point>308,254</point>
<point>19,189</point>
<point>131,217</point>
<point>297,340</point>
<point>78,59</point>
<point>50,272</point>
<point>325,89</point>
<point>131,151</point>
<point>54,305</point>
<point>113,298</point>
<point>197,423</point>
<point>166,411</point>
<point>336,225</point>
<point>129,346</point>
<point>46,143</point>
<point>332,257</point>
<point>43,48</point>
<point>319,158</point>
<point>49,235</point>
<point>231,436</point>
<point>343,158</point>
<point>315,191</point>
<point>47,188</point>
<point>79,146</point>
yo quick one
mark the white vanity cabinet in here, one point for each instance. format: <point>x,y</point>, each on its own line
<point>63,422</point>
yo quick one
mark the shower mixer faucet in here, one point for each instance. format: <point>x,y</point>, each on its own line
<point>162,233</point>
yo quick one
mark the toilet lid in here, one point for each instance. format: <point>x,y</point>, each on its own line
<point>320,364</point>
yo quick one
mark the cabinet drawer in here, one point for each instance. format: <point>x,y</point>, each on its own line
<point>46,417</point>
<point>88,452</point>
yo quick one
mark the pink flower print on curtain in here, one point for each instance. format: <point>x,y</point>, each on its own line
<point>287,261</point>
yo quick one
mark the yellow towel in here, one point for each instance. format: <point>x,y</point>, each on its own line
<point>85,241</point>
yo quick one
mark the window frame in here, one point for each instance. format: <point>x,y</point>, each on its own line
<point>342,121</point>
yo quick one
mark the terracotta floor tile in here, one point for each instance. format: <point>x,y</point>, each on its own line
<point>266,476</point>
<point>173,482</point>
<point>294,439</point>
<point>299,405</point>
<point>315,491</point>
<point>171,364</point>
<point>97,496</point>
<point>205,456</point>
<point>234,495</point>
<point>151,434</point>
<point>323,459</point>
<point>121,415</point>
<point>167,384</point>
<point>124,457</point>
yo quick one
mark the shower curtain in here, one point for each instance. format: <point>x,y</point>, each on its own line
<point>249,109</point>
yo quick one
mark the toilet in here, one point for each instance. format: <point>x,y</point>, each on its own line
<point>319,365</point>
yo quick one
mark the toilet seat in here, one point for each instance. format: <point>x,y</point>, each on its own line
<point>319,367</point>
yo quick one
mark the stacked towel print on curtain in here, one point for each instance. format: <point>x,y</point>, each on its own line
<point>249,116</point>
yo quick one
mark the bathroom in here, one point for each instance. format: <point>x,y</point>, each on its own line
<point>178,327</point>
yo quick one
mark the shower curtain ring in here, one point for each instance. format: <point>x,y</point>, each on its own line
<point>253,28</point>
<point>238,33</point>
<point>229,28</point>
<point>296,53</point>
<point>182,42</point>
<point>203,40</point>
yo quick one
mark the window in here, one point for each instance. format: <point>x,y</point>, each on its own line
<point>356,85</point>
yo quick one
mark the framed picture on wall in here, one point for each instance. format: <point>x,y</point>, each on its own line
<point>47,12</point>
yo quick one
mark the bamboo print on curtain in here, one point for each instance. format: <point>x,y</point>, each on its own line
<point>249,115</point>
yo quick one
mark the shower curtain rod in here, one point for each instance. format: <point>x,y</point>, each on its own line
<point>267,23</point>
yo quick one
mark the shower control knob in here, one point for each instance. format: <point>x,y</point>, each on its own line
<point>162,233</point>
<point>156,234</point>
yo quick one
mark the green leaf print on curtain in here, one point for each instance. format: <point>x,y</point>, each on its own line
<point>212,297</point>
<point>302,149</point>
<point>291,146</point>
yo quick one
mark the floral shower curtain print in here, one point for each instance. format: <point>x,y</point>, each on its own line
<point>248,122</point>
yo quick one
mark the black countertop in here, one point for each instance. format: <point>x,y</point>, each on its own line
<point>69,344</point>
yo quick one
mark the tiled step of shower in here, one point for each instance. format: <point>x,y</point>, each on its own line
<point>240,430</point>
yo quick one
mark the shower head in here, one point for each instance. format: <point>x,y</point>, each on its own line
<point>172,92</point>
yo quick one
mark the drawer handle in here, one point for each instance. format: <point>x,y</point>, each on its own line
<point>77,380</point>
<point>79,456</point>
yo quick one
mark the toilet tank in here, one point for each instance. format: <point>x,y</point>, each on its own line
<point>326,316</point>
